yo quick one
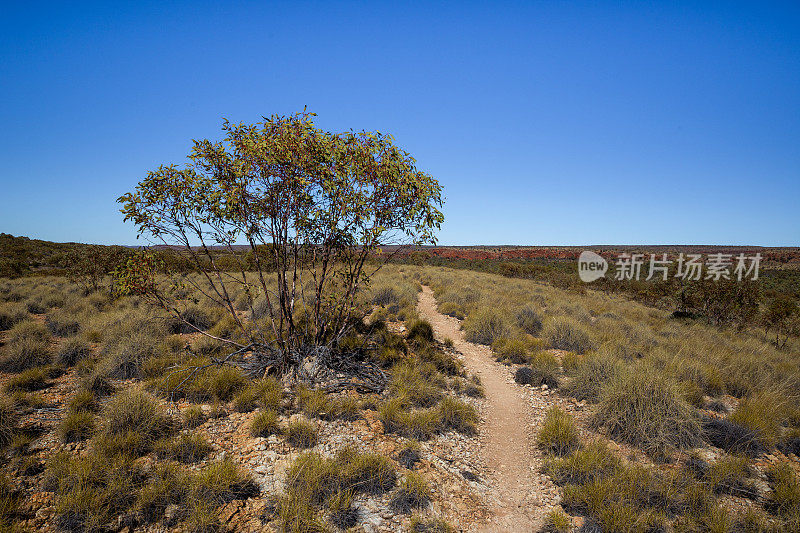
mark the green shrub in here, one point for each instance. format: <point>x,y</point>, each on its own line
<point>643,407</point>
<point>485,327</point>
<point>511,351</point>
<point>73,350</point>
<point>566,334</point>
<point>11,314</point>
<point>412,493</point>
<point>301,434</point>
<point>264,424</point>
<point>558,433</point>
<point>77,425</point>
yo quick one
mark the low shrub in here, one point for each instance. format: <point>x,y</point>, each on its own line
<point>301,434</point>
<point>591,373</point>
<point>643,407</point>
<point>558,433</point>
<point>422,524</point>
<point>529,320</point>
<point>511,351</point>
<point>25,353</point>
<point>83,400</point>
<point>11,314</point>
<point>485,327</point>
<point>412,493</point>
<point>458,416</point>
<point>421,331</point>
<point>785,497</point>
<point>62,323</point>
<point>73,350</point>
<point>586,464</point>
<point>135,422</point>
<point>124,354</point>
<point>184,449</point>
<point>556,521</point>
<point>8,421</point>
<point>409,455</point>
<point>193,416</point>
<point>731,437</point>
<point>566,334</point>
<point>264,424</point>
<point>77,425</point>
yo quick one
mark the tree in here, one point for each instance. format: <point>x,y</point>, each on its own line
<point>311,206</point>
<point>781,317</point>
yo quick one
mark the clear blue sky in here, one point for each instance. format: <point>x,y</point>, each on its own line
<point>546,122</point>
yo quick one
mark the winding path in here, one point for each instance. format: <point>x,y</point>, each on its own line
<point>507,432</point>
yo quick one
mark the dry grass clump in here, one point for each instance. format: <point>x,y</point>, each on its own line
<point>185,449</point>
<point>558,434</point>
<point>83,400</point>
<point>73,350</point>
<point>423,524</point>
<point>62,323</point>
<point>565,333</point>
<point>77,425</point>
<point>458,416</point>
<point>267,393</point>
<point>301,433</point>
<point>8,421</point>
<point>412,493</point>
<point>135,421</point>
<point>732,437</point>
<point>543,370</point>
<point>193,416</point>
<point>264,424</point>
<point>644,408</point>
<point>420,331</point>
<point>511,351</point>
<point>197,318</point>
<point>529,320</point>
<point>222,482</point>
<point>785,497</point>
<point>31,379</point>
<point>762,413</point>
<point>556,521</point>
<point>11,313</point>
<point>124,354</point>
<point>485,327</point>
<point>590,374</point>
<point>25,353</point>
<point>415,384</point>
<point>409,455</point>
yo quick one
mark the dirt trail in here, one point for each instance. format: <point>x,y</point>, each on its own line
<point>507,433</point>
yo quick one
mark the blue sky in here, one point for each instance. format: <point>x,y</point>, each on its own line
<point>547,123</point>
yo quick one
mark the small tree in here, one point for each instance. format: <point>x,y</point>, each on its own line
<point>781,317</point>
<point>311,207</point>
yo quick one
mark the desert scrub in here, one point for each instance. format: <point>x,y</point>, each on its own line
<point>25,353</point>
<point>301,434</point>
<point>11,313</point>
<point>124,354</point>
<point>135,420</point>
<point>365,472</point>
<point>73,350</point>
<point>423,524</point>
<point>8,420</point>
<point>32,379</point>
<point>83,400</point>
<point>77,425</point>
<point>412,493</point>
<point>420,331</point>
<point>543,370</point>
<point>458,416</point>
<point>194,318</point>
<point>644,408</point>
<point>785,497</point>
<point>556,521</point>
<point>185,449</point>
<point>397,417</point>
<point>415,384</point>
<point>762,413</point>
<point>485,327</point>
<point>193,416</point>
<point>264,424</point>
<point>221,482</point>
<point>566,334</point>
<point>591,461</point>
<point>266,393</point>
<point>529,320</point>
<point>167,485</point>
<point>558,434</point>
<point>62,323</point>
<point>511,351</point>
<point>590,374</point>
